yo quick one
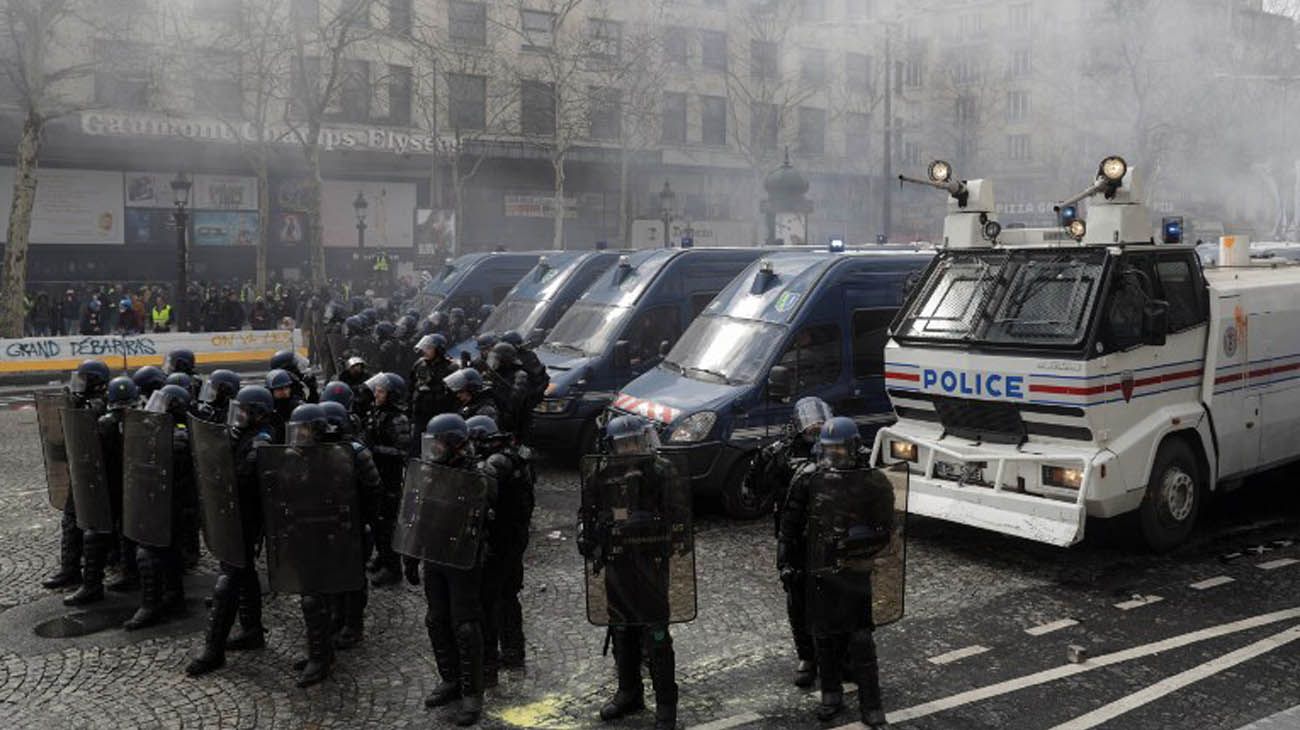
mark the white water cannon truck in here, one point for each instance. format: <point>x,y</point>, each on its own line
<point>1042,376</point>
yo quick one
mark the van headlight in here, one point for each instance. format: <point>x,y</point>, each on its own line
<point>1059,476</point>
<point>553,405</point>
<point>902,450</point>
<point>693,428</point>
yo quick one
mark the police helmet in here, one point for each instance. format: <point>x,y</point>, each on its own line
<point>122,393</point>
<point>464,379</point>
<point>456,313</point>
<point>277,379</point>
<point>370,315</point>
<point>481,428</point>
<point>438,320</point>
<point>354,361</point>
<point>445,435</point>
<point>385,331</point>
<point>435,342</point>
<point>285,360</point>
<point>405,326</point>
<point>839,443</point>
<point>181,379</point>
<point>396,387</point>
<point>171,399</point>
<point>808,417</point>
<point>513,338</point>
<point>631,435</point>
<point>336,414</point>
<point>179,361</point>
<point>221,385</point>
<point>485,342</point>
<point>427,328</point>
<point>485,311</point>
<point>337,392</point>
<point>149,379</point>
<point>307,424</point>
<point>91,376</point>
<point>251,404</point>
<point>501,355</point>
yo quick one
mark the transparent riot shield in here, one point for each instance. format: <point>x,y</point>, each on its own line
<point>312,518</point>
<point>49,422</point>
<point>639,540</point>
<point>86,469</point>
<point>148,477</point>
<point>442,516</point>
<point>857,540</point>
<point>214,476</point>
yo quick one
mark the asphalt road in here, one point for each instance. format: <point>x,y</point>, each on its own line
<point>1208,637</point>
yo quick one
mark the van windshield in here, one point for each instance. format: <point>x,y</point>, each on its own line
<point>513,315</point>
<point>1028,297</point>
<point>720,349</point>
<point>587,329</point>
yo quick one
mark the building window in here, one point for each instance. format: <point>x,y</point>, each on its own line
<point>1017,106</point>
<point>1018,147</point>
<point>857,136</point>
<point>812,130</point>
<point>225,12</point>
<point>216,85</point>
<point>354,91</point>
<point>913,73</point>
<point>122,76</point>
<point>713,50</point>
<point>764,60</point>
<point>857,72</point>
<point>606,38</point>
<point>812,69</point>
<point>399,16</point>
<point>1019,16</point>
<point>539,29</point>
<point>467,22</point>
<point>911,153</point>
<point>675,50</point>
<point>764,126</point>
<point>965,70</point>
<point>1022,63</point>
<point>713,120</point>
<point>674,120</point>
<point>537,108</point>
<point>813,10</point>
<point>466,101</point>
<point>399,95</point>
<point>304,85</point>
<point>605,114</point>
<point>964,110</point>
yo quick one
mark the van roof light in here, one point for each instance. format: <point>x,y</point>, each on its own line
<point>766,267</point>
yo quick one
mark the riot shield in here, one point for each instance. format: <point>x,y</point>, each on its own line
<point>857,522</point>
<point>442,515</point>
<point>214,476</point>
<point>640,566</point>
<point>86,469</point>
<point>338,346</point>
<point>49,423</point>
<point>148,477</point>
<point>312,518</point>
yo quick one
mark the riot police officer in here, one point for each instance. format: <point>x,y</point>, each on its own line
<point>503,572</point>
<point>334,343</point>
<point>472,396</point>
<point>355,374</point>
<point>123,395</point>
<point>216,394</point>
<point>429,394</point>
<point>388,433</point>
<point>305,387</point>
<point>769,477</point>
<point>336,391</point>
<point>634,525</point>
<point>159,530</point>
<point>838,514</point>
<point>238,590</point>
<point>281,384</point>
<point>484,342</point>
<point>182,361</point>
<point>149,379</point>
<point>389,347</point>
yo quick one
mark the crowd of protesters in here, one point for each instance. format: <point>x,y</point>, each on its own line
<point>129,309</point>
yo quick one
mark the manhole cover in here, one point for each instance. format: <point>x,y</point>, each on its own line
<point>83,623</point>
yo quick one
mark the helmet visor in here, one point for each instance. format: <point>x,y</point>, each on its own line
<point>811,413</point>
<point>434,450</point>
<point>209,392</point>
<point>301,434</point>
<point>843,455</point>
<point>77,383</point>
<point>639,443</point>
<point>159,402</point>
<point>238,416</point>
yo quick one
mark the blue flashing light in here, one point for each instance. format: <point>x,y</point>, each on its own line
<point>1172,229</point>
<point>837,245</point>
<point>1068,215</point>
<point>687,242</point>
<point>881,239</point>
<point>602,245</point>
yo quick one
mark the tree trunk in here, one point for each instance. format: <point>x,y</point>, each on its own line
<point>13,287</point>
<point>557,164</point>
<point>624,200</point>
<point>264,230</point>
<point>458,192</point>
<point>312,199</point>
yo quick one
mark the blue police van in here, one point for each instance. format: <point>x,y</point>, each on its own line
<point>473,280</point>
<point>542,296</point>
<point>796,323</point>
<point>621,327</point>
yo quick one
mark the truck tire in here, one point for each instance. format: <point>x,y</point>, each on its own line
<point>1173,497</point>
<point>735,502</point>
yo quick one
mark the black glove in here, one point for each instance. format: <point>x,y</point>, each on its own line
<point>788,577</point>
<point>586,546</point>
<point>411,568</point>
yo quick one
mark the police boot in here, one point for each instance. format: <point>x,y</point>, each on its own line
<point>320,649</point>
<point>512,633</point>
<point>220,619</point>
<point>354,619</point>
<point>866,672</point>
<point>151,610</point>
<point>663,677</point>
<point>469,648</point>
<point>128,572</point>
<point>830,664</point>
<point>250,634</point>
<point>69,554</point>
<point>805,674</point>
<point>173,584</point>
<point>630,696</point>
<point>444,656</point>
<point>95,553</point>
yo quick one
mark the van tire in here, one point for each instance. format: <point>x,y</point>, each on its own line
<point>1173,497</point>
<point>734,502</point>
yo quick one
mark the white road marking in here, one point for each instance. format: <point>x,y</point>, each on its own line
<point>1214,582</point>
<point>1138,602</point>
<point>1275,564</point>
<point>1069,670</point>
<point>958,654</point>
<point>729,722</point>
<point>1064,623</point>
<point>1172,684</point>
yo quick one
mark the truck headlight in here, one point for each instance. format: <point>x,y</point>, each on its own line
<point>1059,476</point>
<point>693,428</point>
<point>553,405</point>
<point>902,451</point>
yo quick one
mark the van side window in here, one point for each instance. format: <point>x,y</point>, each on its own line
<point>699,302</point>
<point>870,333</point>
<point>650,329</point>
<point>1130,291</point>
<point>1182,290</point>
<point>500,292</point>
<point>814,356</point>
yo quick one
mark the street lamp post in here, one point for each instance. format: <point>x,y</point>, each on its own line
<point>180,216</point>
<point>360,205</point>
<point>667,202</point>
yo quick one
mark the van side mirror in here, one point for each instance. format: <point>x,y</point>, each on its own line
<point>780,383</point>
<point>622,355</point>
<point>1155,322</point>
<point>664,347</point>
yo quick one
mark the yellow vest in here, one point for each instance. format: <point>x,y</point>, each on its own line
<point>162,316</point>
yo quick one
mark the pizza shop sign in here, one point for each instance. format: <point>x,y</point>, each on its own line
<point>144,126</point>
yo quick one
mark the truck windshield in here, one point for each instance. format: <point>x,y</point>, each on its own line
<point>587,329</point>
<point>518,315</point>
<point>1027,297</point>
<point>724,350</point>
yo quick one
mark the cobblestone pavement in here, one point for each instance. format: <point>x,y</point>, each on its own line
<point>983,645</point>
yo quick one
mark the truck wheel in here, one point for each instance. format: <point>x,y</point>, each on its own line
<point>1173,497</point>
<point>736,503</point>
